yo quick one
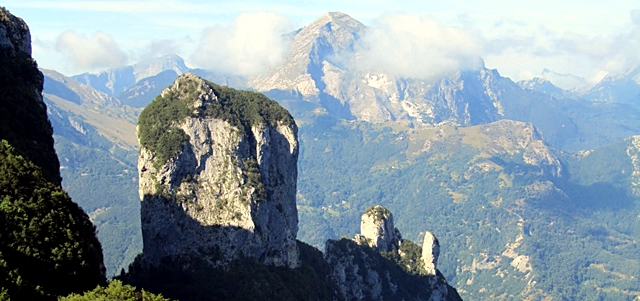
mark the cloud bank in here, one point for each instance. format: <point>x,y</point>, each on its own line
<point>251,44</point>
<point>93,52</point>
<point>520,45</point>
<point>421,47</point>
<point>583,57</point>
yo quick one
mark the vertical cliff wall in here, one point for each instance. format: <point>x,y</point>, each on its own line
<point>23,114</point>
<point>218,171</point>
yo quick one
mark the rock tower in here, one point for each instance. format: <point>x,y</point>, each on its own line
<point>218,172</point>
<point>377,229</point>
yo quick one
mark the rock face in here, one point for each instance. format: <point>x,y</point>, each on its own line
<point>229,188</point>
<point>379,265</point>
<point>22,111</point>
<point>512,137</point>
<point>14,33</point>
<point>378,231</point>
<point>430,253</point>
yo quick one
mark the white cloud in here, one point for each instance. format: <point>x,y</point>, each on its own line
<point>251,44</point>
<point>414,46</point>
<point>90,53</point>
<point>588,56</point>
<point>612,54</point>
<point>158,48</point>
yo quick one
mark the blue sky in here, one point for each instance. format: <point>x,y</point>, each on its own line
<point>587,39</point>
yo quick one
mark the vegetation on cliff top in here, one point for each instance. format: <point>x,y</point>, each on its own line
<point>157,124</point>
<point>378,212</point>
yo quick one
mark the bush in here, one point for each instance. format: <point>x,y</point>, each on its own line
<point>115,291</point>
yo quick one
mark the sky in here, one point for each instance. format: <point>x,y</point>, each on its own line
<point>572,43</point>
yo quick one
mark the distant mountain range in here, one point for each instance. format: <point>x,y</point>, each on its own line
<point>516,179</point>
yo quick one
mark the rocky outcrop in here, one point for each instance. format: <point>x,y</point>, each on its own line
<point>430,253</point>
<point>379,265</point>
<point>228,190</point>
<point>378,231</point>
<point>14,33</point>
<point>511,137</point>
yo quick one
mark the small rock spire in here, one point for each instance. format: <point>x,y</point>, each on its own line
<point>430,253</point>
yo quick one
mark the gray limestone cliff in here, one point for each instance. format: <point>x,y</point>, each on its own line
<point>379,265</point>
<point>218,171</point>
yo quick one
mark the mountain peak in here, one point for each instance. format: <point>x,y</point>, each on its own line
<point>118,80</point>
<point>154,66</point>
<point>165,59</point>
<point>336,21</point>
<point>331,34</point>
<point>335,17</point>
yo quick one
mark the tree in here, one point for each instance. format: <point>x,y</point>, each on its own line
<point>49,246</point>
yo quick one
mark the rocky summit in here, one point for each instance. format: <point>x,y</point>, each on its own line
<point>218,170</point>
<point>377,229</point>
<point>14,33</point>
